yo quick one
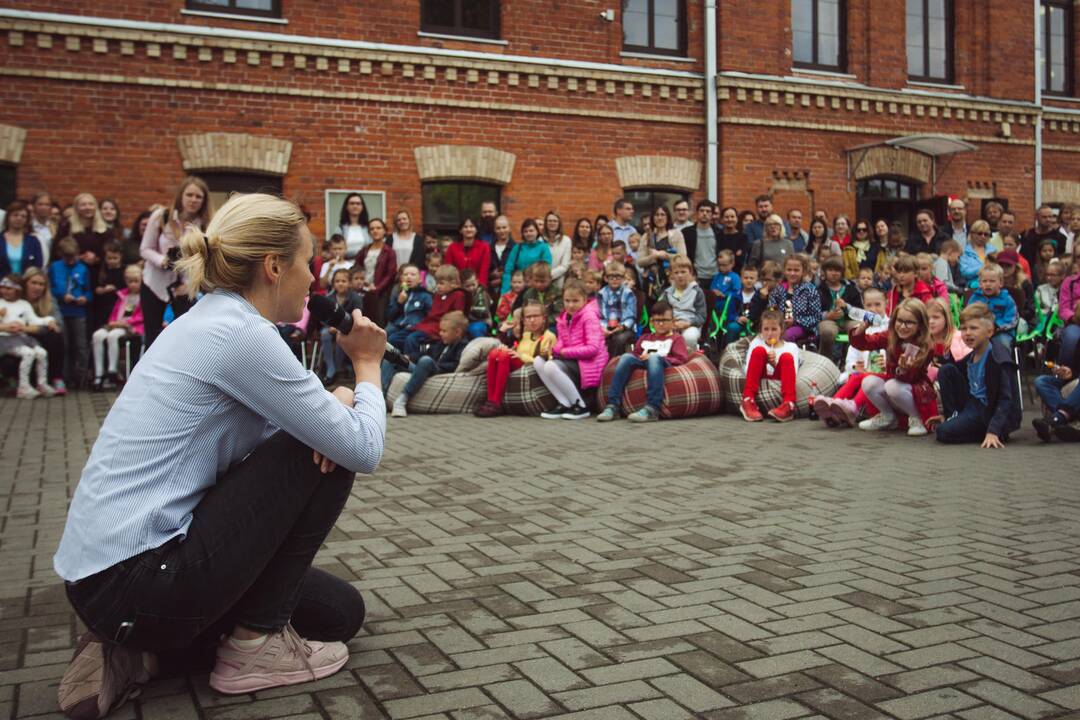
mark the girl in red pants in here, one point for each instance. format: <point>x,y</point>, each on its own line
<point>849,402</point>
<point>770,356</point>
<point>536,340</point>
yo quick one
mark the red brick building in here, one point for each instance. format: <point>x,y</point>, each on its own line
<point>544,103</point>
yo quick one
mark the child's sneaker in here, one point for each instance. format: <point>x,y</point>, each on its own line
<point>555,414</point>
<point>823,409</point>
<point>749,410</point>
<point>46,390</point>
<point>881,421</point>
<point>577,411</point>
<point>915,427</point>
<point>25,392</point>
<point>488,410</point>
<point>97,385</point>
<point>845,412</point>
<point>645,414</point>
<point>59,386</point>
<point>608,414</point>
<point>784,412</point>
<point>399,410</point>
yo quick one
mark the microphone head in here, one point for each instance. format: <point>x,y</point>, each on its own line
<point>322,308</point>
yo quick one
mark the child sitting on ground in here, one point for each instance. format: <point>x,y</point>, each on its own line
<point>442,356</point>
<point>617,306</point>
<point>16,315</point>
<point>536,341</point>
<point>479,304</point>
<point>409,305</point>
<point>770,356</point>
<point>944,338</point>
<point>946,267</point>
<point>508,298</point>
<point>344,298</point>
<point>126,319</point>
<point>797,299</point>
<point>687,301</point>
<point>448,297</point>
<point>905,387</point>
<point>653,352</point>
<point>578,357</point>
<point>924,271</point>
<point>837,295</point>
<point>1001,304</point>
<point>979,394</point>
<point>845,407</point>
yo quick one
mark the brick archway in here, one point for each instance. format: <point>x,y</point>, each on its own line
<point>235,152</point>
<point>658,171</point>
<point>12,139</point>
<point>464,162</point>
<point>894,162</point>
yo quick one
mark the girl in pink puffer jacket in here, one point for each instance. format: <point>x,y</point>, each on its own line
<point>579,355</point>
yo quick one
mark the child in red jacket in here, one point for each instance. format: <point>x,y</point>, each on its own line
<point>906,283</point>
<point>448,296</point>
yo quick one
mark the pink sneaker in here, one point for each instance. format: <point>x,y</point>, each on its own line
<point>284,659</point>
<point>823,408</point>
<point>846,412</point>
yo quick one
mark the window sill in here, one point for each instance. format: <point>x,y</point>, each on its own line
<point>461,38</point>
<point>936,85</point>
<point>657,56</point>
<point>823,73</point>
<point>235,16</point>
<point>1063,98</point>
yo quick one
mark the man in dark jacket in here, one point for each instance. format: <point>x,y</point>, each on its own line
<point>442,356</point>
<point>981,393</point>
<point>927,237</point>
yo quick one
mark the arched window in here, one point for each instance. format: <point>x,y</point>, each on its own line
<point>224,184</point>
<point>887,189</point>
<point>446,203</point>
<point>645,199</point>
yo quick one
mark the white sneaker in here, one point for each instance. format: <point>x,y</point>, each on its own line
<point>25,392</point>
<point>881,421</point>
<point>46,390</point>
<point>915,427</point>
<point>399,407</point>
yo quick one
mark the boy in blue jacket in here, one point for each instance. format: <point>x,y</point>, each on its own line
<point>409,304</point>
<point>442,356</point>
<point>69,279</point>
<point>617,306</point>
<point>1001,304</point>
<point>980,394</point>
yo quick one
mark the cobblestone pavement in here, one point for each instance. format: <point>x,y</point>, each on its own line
<point>700,568</point>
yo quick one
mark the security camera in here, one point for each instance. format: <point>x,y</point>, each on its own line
<point>608,15</point>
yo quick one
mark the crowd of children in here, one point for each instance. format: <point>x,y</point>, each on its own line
<point>927,330</point>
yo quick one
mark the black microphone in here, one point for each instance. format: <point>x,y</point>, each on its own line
<point>327,312</point>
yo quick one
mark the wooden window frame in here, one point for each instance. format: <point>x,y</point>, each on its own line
<point>1070,57</point>
<point>841,55</point>
<point>231,9</point>
<point>651,48</point>
<point>457,29</point>
<point>949,46</point>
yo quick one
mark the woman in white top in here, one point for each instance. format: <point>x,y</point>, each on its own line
<point>408,244</point>
<point>160,248</point>
<point>216,476</point>
<point>560,245</point>
<point>353,224</point>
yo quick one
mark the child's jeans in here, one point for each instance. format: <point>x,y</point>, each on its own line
<point>1005,340</point>
<point>395,335</point>
<point>1049,389</point>
<point>421,370</point>
<point>77,349</point>
<point>500,363</point>
<point>890,396</point>
<point>654,379</point>
<point>333,356</point>
<point>967,417</point>
<point>759,364</point>
<point>413,341</point>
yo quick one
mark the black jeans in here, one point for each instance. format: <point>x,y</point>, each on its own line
<point>154,312</point>
<point>246,560</point>
<point>53,342</point>
<point>967,419</point>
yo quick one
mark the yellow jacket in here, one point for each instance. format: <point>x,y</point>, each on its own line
<point>529,346</point>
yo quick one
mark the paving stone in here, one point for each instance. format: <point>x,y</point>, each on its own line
<point>932,702</point>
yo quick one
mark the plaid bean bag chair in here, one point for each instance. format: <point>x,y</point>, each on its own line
<point>817,376</point>
<point>690,390</point>
<point>526,395</point>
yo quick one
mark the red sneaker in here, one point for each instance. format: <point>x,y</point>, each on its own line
<point>749,410</point>
<point>784,412</point>
<point>488,410</point>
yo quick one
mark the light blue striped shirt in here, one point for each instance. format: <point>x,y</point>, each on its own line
<point>216,383</point>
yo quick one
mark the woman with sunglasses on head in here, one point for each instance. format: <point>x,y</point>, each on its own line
<point>862,252</point>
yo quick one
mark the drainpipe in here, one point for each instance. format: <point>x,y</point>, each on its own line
<point>1038,102</point>
<point>712,142</point>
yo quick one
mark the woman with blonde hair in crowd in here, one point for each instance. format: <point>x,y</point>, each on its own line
<point>160,248</point>
<point>51,336</point>
<point>215,478</point>
<point>89,229</point>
